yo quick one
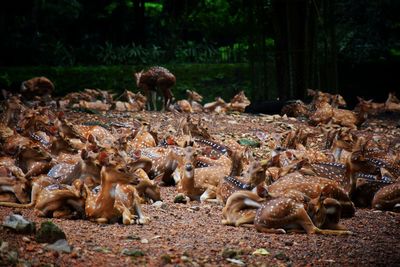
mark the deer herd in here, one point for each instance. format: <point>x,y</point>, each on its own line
<point>65,167</point>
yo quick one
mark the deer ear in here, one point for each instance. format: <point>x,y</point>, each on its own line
<point>103,158</point>
<point>311,92</point>
<point>84,154</point>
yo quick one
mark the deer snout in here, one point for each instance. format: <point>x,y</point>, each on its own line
<point>189,167</point>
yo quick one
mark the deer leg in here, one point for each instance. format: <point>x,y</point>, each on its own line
<point>63,214</point>
<point>332,232</point>
<point>101,220</point>
<point>154,99</point>
<point>260,227</point>
<point>123,200</point>
<point>209,194</point>
<point>247,217</point>
<point>305,221</point>
<point>170,169</point>
<point>142,219</point>
<point>167,98</point>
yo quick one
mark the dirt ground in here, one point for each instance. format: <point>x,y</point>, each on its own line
<point>192,234</point>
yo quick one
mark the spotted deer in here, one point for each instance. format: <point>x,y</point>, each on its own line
<point>201,183</point>
<point>387,198</point>
<point>218,106</point>
<point>241,208</point>
<point>392,103</point>
<point>62,201</point>
<point>253,177</point>
<point>239,102</point>
<point>195,99</point>
<point>117,196</point>
<point>282,214</point>
<point>156,78</point>
<point>37,86</point>
<point>369,107</point>
<point>319,97</point>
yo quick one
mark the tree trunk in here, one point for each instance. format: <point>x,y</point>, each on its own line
<point>294,23</point>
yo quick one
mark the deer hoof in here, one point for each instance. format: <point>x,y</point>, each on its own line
<point>143,220</point>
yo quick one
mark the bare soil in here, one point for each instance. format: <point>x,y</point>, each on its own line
<point>192,234</point>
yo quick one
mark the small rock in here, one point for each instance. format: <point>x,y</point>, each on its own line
<point>4,247</point>
<point>289,243</point>
<point>281,256</point>
<point>60,245</point>
<point>249,143</point>
<point>102,249</point>
<point>181,198</point>
<point>166,259</point>
<point>19,224</point>
<point>132,252</point>
<point>144,241</point>
<point>133,237</point>
<point>195,208</point>
<point>235,261</point>
<point>160,205</point>
<point>49,233</point>
<point>26,239</point>
<point>184,258</point>
<point>261,251</point>
<point>229,253</point>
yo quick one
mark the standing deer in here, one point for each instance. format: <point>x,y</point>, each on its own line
<point>156,78</point>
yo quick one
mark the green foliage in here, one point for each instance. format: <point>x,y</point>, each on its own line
<point>153,9</point>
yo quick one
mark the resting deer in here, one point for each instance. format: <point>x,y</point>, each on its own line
<point>320,97</point>
<point>241,208</point>
<point>254,176</point>
<point>132,102</point>
<point>34,160</point>
<point>218,106</point>
<point>325,114</point>
<point>12,181</point>
<point>183,106</point>
<point>187,185</point>
<point>312,187</point>
<point>38,86</point>
<point>143,138</point>
<point>117,196</point>
<point>239,102</point>
<point>296,109</point>
<point>369,107</point>
<point>195,99</point>
<point>146,188</point>
<point>38,184</point>
<point>282,214</point>
<point>387,198</point>
<point>62,201</point>
<point>201,183</point>
<point>153,78</point>
<point>392,103</point>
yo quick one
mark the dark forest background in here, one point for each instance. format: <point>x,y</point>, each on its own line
<point>269,48</point>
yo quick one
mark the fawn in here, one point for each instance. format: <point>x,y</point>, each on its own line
<point>283,214</point>
<point>117,196</point>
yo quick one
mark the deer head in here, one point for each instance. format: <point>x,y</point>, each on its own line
<point>137,76</point>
